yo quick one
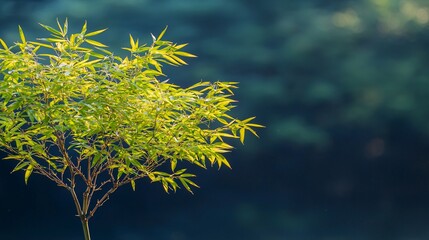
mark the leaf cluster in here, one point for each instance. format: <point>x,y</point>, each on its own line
<point>72,109</point>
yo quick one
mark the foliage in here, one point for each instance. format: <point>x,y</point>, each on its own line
<point>76,113</point>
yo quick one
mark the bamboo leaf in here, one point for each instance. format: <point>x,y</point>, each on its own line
<point>173,163</point>
<point>55,40</point>
<point>242,133</point>
<point>191,182</point>
<point>171,60</point>
<point>95,33</point>
<point>177,47</point>
<point>132,44</point>
<point>185,184</point>
<point>133,185</point>
<point>95,43</point>
<point>3,44</point>
<point>50,29</point>
<point>179,60</point>
<point>184,54</point>
<point>162,34</point>
<point>59,27</point>
<point>21,35</point>
<point>42,45</point>
<point>20,166</point>
<point>66,27</point>
<point>84,28</point>
<point>252,131</point>
<point>28,172</point>
<point>248,120</point>
<point>255,125</point>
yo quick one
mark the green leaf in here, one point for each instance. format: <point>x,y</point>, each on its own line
<point>20,166</point>
<point>59,27</point>
<point>132,44</point>
<point>177,47</point>
<point>171,60</point>
<point>255,125</point>
<point>95,43</point>
<point>248,120</point>
<point>84,28</point>
<point>95,33</point>
<point>185,184</point>
<point>104,51</point>
<point>173,163</point>
<point>190,182</point>
<point>252,131</point>
<point>179,60</point>
<point>21,35</point>
<point>133,185</point>
<point>222,160</point>
<point>55,40</point>
<point>162,33</point>
<point>181,171</point>
<point>28,172</point>
<point>184,54</point>
<point>52,30</point>
<point>242,133</point>
<point>165,185</point>
<point>3,44</point>
<point>66,27</point>
<point>42,45</point>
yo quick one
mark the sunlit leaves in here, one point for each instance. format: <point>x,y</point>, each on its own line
<point>3,44</point>
<point>95,32</point>
<point>28,172</point>
<point>95,43</point>
<point>55,32</point>
<point>76,104</point>
<point>21,35</point>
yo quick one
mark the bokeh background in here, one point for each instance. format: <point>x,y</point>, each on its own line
<point>342,87</point>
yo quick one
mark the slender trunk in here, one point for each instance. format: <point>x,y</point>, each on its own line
<point>81,215</point>
<point>85,227</point>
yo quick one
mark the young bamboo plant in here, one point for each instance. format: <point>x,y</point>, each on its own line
<point>75,113</point>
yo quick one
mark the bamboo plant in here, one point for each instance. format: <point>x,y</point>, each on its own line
<point>85,118</point>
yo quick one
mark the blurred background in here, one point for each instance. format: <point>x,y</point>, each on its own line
<point>342,87</point>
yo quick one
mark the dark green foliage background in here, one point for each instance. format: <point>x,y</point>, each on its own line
<point>342,87</point>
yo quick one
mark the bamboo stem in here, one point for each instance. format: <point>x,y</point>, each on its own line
<point>81,214</point>
<point>85,227</point>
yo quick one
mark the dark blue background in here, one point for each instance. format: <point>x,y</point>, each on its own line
<point>342,87</point>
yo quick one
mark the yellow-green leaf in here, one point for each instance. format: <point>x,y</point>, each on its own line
<point>178,60</point>
<point>59,27</point>
<point>171,60</point>
<point>21,35</point>
<point>66,27</point>
<point>248,120</point>
<point>184,54</point>
<point>255,125</point>
<point>3,44</point>
<point>20,166</point>
<point>28,172</point>
<point>242,133</point>
<point>132,44</point>
<point>95,32</point>
<point>83,31</point>
<point>162,34</point>
<point>42,45</point>
<point>50,29</point>
<point>133,185</point>
<point>173,164</point>
<point>177,47</point>
<point>95,43</point>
